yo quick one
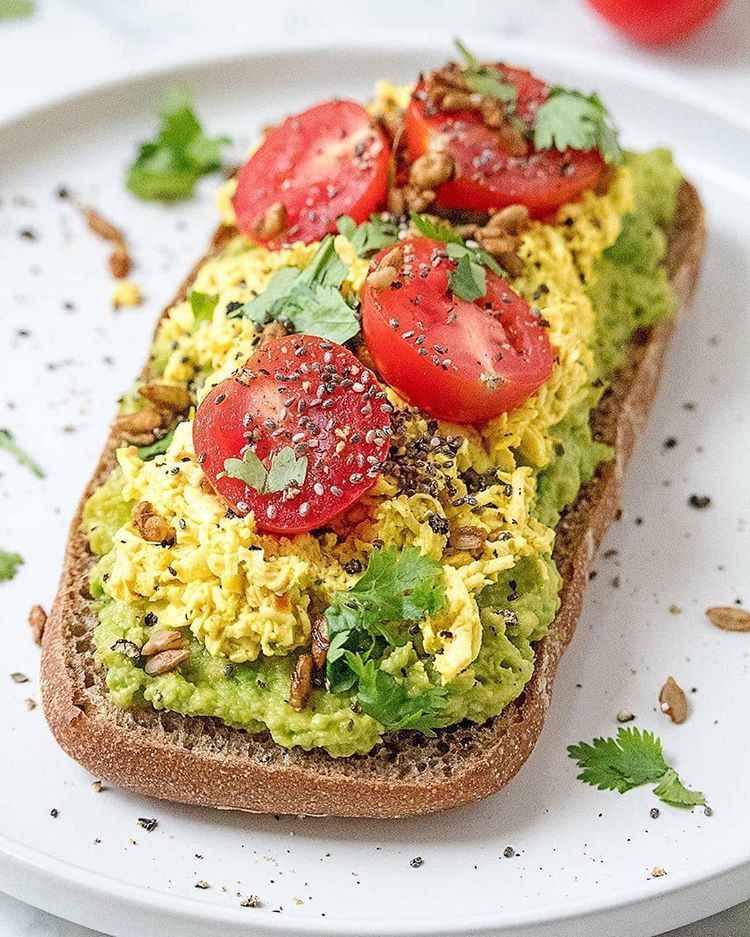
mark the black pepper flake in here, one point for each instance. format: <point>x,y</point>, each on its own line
<point>654,813</point>
<point>699,502</point>
<point>670,442</point>
<point>416,862</point>
<point>149,824</point>
<point>202,885</point>
<point>509,852</point>
<point>54,813</point>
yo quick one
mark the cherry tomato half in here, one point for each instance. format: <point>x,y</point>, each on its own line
<point>487,176</point>
<point>461,361</point>
<point>328,161</point>
<point>309,395</point>
<point>656,22</point>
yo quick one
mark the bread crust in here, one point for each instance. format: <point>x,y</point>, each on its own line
<point>195,760</point>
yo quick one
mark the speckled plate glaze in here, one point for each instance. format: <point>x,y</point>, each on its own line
<point>582,859</point>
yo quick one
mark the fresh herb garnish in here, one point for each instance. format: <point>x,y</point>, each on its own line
<point>309,299</point>
<point>469,280</point>
<point>569,119</point>
<point>146,453</point>
<point>203,305</point>
<point>9,444</point>
<point>286,470</point>
<point>168,167</point>
<point>385,699</point>
<point>370,236</point>
<point>632,759</point>
<point>485,80</point>
<point>396,587</point>
<point>9,563</point>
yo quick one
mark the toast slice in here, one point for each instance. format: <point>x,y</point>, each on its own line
<point>199,760</point>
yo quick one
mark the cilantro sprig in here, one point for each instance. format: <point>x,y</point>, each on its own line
<point>147,453</point>
<point>309,300</point>
<point>168,167</point>
<point>203,305</point>
<point>370,236</point>
<point>381,696</point>
<point>9,563</point>
<point>9,445</point>
<point>285,471</point>
<point>397,587</point>
<point>485,80</point>
<point>570,119</point>
<point>631,760</point>
<point>469,280</point>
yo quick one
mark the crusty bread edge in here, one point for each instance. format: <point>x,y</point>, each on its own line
<point>150,765</point>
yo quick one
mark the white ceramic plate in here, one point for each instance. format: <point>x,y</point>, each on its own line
<point>584,858</point>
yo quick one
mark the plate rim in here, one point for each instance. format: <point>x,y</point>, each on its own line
<point>24,860</point>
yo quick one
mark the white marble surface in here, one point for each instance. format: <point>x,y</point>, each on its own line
<point>70,44</point>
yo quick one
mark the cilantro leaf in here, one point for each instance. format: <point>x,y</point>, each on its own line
<point>9,563</point>
<point>203,306</point>
<point>249,469</point>
<point>146,453</point>
<point>436,230</point>
<point>168,167</point>
<point>309,299</point>
<point>634,758</point>
<point>469,280</point>
<point>286,470</point>
<point>486,80</point>
<point>672,791</point>
<point>370,236</point>
<point>396,587</point>
<point>9,444</point>
<point>571,119</point>
<point>389,702</point>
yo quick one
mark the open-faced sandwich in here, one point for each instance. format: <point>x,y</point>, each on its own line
<point>340,532</point>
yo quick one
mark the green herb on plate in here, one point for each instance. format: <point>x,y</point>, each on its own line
<point>168,167</point>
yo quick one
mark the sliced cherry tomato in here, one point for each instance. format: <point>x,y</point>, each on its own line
<point>328,161</point>
<point>461,361</point>
<point>657,22</point>
<point>307,394</point>
<point>487,176</point>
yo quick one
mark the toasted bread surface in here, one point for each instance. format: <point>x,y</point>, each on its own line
<point>199,760</point>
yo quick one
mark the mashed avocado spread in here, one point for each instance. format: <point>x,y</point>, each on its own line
<point>246,600</point>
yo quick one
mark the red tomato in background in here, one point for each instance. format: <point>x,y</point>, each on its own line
<point>312,396</point>
<point>656,22</point>
<point>461,361</point>
<point>488,177</point>
<point>327,161</point>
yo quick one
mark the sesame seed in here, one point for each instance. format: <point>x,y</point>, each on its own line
<point>304,509</point>
<point>335,490</point>
<point>270,511</point>
<point>318,489</point>
<point>358,388</point>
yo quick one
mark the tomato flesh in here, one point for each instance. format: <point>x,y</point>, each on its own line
<point>461,361</point>
<point>487,176</point>
<point>320,164</point>
<point>311,395</point>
